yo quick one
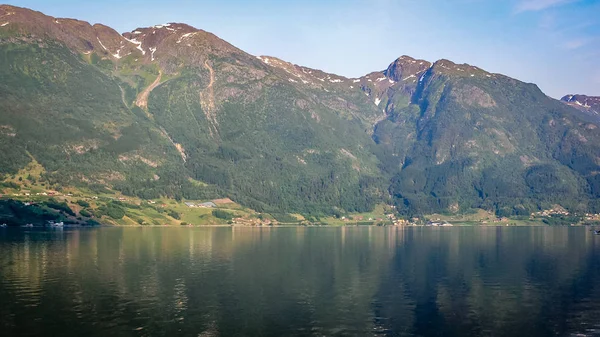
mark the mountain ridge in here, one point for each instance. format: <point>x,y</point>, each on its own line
<point>175,111</point>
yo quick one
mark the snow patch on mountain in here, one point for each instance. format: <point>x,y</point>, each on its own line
<point>152,54</point>
<point>97,38</point>
<point>185,36</point>
<point>138,45</point>
<point>265,60</point>
<point>118,54</point>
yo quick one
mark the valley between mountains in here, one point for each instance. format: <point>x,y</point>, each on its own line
<point>170,114</point>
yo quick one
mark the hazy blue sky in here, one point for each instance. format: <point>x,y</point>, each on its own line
<point>553,43</point>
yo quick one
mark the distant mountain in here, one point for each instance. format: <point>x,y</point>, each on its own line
<point>174,111</point>
<point>589,104</point>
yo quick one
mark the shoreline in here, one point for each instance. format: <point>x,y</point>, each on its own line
<point>285,226</point>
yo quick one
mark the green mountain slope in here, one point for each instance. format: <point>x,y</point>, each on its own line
<point>468,139</point>
<point>174,111</point>
<point>149,112</point>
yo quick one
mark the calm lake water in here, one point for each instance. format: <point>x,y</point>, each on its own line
<point>536,281</point>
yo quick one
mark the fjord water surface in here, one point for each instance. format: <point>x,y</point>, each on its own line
<point>495,281</point>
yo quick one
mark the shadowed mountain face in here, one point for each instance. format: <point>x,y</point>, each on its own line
<point>175,111</point>
<point>588,104</point>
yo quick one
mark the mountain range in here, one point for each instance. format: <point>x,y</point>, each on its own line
<point>175,111</point>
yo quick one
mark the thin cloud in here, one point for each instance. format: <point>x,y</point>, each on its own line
<point>539,5</point>
<point>577,43</point>
<point>547,21</point>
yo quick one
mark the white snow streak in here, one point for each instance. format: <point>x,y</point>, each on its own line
<point>265,60</point>
<point>186,36</point>
<point>152,55</point>
<point>97,38</point>
<point>138,44</point>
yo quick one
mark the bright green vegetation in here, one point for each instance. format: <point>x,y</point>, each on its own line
<point>219,214</point>
<point>17,209</point>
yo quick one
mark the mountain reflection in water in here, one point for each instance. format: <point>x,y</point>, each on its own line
<point>494,281</point>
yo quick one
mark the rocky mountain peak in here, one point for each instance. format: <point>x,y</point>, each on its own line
<point>406,67</point>
<point>160,32</point>
<point>582,100</point>
<point>170,42</point>
<point>587,104</point>
<point>148,39</point>
<point>22,23</point>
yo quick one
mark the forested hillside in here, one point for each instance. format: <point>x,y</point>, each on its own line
<point>173,111</point>
<point>471,139</point>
